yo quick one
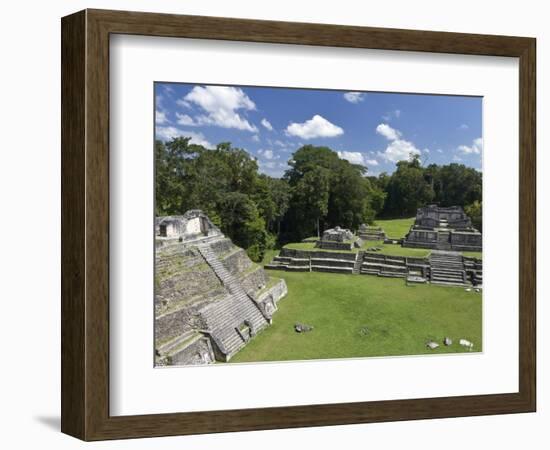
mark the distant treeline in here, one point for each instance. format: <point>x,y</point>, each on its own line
<point>319,191</point>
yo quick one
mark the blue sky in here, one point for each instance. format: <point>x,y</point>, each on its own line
<point>375,129</point>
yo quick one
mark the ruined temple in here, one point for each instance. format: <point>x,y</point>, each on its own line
<point>210,298</point>
<point>369,233</point>
<point>338,239</point>
<point>443,228</point>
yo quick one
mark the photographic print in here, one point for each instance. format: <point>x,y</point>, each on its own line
<point>304,224</point>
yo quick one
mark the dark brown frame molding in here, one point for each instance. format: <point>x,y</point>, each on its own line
<point>85,224</point>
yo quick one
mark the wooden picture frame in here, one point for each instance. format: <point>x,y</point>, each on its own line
<point>85,224</point>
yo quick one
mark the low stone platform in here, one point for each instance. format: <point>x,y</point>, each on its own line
<point>442,267</point>
<point>368,233</point>
<point>313,261</point>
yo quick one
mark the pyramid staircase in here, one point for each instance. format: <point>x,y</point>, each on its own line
<point>358,263</point>
<point>224,318</point>
<point>447,268</point>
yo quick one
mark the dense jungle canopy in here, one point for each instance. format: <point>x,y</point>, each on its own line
<point>318,191</point>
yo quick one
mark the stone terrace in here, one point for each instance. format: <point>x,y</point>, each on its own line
<point>447,268</point>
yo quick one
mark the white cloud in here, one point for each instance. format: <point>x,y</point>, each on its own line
<point>221,105</point>
<point>184,119</point>
<point>399,150</point>
<point>184,103</point>
<point>168,133</point>
<point>268,154</point>
<point>315,127</point>
<point>357,158</point>
<point>475,148</point>
<point>426,150</point>
<point>160,117</point>
<point>463,127</point>
<point>388,132</point>
<point>397,113</point>
<point>354,97</point>
<point>439,150</point>
<point>255,138</point>
<point>352,157</point>
<point>457,158</point>
<point>267,124</point>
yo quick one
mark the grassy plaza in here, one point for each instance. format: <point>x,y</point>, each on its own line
<point>360,316</point>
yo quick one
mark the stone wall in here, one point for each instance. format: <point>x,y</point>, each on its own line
<point>236,262</point>
<point>393,266</point>
<point>293,253</point>
<point>196,352</point>
<point>173,324</point>
<point>222,246</point>
<point>254,280</point>
<point>182,276</point>
<point>268,299</point>
<point>333,245</point>
<point>192,225</point>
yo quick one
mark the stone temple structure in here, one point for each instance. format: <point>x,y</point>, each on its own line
<point>368,233</point>
<point>210,298</point>
<point>338,239</point>
<point>443,229</point>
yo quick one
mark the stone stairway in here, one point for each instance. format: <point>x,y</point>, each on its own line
<point>358,263</point>
<point>226,316</point>
<point>444,242</point>
<point>447,268</point>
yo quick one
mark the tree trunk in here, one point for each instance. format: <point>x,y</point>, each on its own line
<point>318,231</point>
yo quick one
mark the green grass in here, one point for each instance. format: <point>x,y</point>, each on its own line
<point>395,228</point>
<point>269,255</point>
<point>478,255</point>
<point>397,250</point>
<point>399,319</point>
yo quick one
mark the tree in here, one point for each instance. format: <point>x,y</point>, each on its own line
<point>279,197</point>
<point>241,220</point>
<point>407,189</point>
<point>320,190</point>
<point>310,198</point>
<point>456,184</point>
<point>328,191</point>
<point>475,212</point>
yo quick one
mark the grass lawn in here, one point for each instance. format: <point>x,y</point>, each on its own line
<point>478,255</point>
<point>397,250</point>
<point>395,228</point>
<point>359,315</point>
